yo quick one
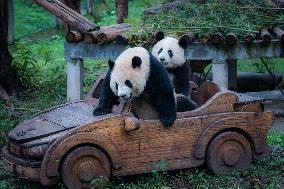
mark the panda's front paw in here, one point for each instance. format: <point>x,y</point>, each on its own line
<point>100,111</point>
<point>168,121</point>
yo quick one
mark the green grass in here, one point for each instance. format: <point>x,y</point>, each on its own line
<point>30,18</point>
<point>276,65</point>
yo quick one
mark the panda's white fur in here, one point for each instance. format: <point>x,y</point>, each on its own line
<point>123,71</point>
<point>169,44</point>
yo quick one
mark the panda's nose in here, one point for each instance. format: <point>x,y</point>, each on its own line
<point>162,59</point>
<point>122,96</point>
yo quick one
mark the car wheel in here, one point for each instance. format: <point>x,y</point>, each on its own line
<point>227,152</point>
<point>85,167</point>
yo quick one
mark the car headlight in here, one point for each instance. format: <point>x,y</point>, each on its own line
<point>35,151</point>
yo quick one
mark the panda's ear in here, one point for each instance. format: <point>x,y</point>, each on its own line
<point>183,42</point>
<point>136,62</point>
<point>110,64</point>
<point>159,36</point>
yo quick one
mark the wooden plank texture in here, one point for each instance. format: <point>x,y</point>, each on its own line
<point>68,15</point>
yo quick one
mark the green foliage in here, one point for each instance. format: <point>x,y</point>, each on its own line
<point>41,65</point>
<point>30,18</point>
<point>276,138</point>
<point>25,64</point>
<point>240,17</point>
<point>255,65</point>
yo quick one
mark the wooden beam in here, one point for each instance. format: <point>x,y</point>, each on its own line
<point>195,50</point>
<point>231,39</point>
<point>70,16</point>
<point>279,33</point>
<point>265,36</point>
<point>249,38</point>
<point>74,37</point>
<point>106,34</point>
<point>217,38</point>
<point>189,37</point>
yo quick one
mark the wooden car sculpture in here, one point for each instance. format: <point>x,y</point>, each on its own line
<point>226,132</point>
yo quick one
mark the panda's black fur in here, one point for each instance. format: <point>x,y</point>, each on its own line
<point>158,86</point>
<point>180,80</point>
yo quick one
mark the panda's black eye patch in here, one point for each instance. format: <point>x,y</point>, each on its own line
<point>170,53</point>
<point>116,86</point>
<point>160,50</point>
<point>128,83</point>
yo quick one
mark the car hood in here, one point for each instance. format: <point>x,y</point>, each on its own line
<point>51,121</point>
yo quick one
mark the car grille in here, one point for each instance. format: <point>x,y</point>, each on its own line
<point>15,149</point>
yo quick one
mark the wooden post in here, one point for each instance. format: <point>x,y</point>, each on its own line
<point>265,36</point>
<point>220,72</point>
<point>11,31</point>
<point>279,33</point>
<point>74,79</point>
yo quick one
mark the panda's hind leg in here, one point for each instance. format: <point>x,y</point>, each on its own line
<point>185,104</point>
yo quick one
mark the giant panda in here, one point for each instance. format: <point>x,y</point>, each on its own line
<point>136,72</point>
<point>170,52</point>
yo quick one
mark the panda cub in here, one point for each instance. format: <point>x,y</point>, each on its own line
<point>170,52</point>
<point>135,72</point>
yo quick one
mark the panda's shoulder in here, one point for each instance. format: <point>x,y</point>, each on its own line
<point>155,65</point>
<point>158,74</point>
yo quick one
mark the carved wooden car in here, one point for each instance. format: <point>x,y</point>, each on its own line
<point>227,132</point>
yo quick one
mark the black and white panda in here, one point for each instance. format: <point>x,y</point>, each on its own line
<point>135,72</point>
<point>170,52</point>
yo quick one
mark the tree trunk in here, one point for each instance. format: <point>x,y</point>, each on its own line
<point>8,78</point>
<point>121,10</point>
<point>11,31</point>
